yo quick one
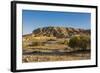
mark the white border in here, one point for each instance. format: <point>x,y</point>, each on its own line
<point>21,65</point>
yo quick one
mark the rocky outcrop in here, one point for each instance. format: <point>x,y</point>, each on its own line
<point>59,32</point>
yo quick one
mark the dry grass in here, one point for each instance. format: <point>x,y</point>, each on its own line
<point>60,45</point>
<point>53,46</point>
<point>46,58</point>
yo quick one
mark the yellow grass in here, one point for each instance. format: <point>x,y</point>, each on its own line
<point>54,46</point>
<point>45,47</point>
<point>46,58</point>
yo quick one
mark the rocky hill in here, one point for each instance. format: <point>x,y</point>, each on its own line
<point>59,32</point>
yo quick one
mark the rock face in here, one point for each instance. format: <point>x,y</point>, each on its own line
<point>59,32</point>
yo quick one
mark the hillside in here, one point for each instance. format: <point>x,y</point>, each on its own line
<point>58,32</point>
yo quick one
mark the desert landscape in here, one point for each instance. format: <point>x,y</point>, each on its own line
<point>56,44</point>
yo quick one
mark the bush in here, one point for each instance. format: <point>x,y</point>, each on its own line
<point>81,42</point>
<point>74,42</point>
<point>84,42</point>
<point>37,44</point>
<point>65,42</point>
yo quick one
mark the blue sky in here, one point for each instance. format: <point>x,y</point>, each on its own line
<point>32,19</point>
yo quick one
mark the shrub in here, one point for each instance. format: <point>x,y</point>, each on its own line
<point>37,43</point>
<point>66,42</point>
<point>63,42</point>
<point>84,42</point>
<point>74,42</point>
<point>81,42</point>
